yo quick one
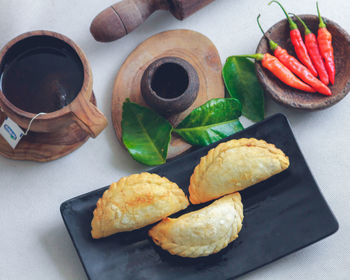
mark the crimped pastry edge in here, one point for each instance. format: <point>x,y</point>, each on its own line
<point>213,153</point>
<point>184,250</point>
<point>98,212</point>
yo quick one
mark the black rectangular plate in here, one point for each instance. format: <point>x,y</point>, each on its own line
<point>281,215</point>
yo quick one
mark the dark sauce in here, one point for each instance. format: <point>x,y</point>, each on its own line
<point>170,81</point>
<point>41,74</point>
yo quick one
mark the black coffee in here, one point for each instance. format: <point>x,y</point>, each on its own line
<point>170,81</point>
<point>41,74</point>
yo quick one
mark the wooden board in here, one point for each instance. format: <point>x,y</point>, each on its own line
<point>189,45</point>
<point>43,147</point>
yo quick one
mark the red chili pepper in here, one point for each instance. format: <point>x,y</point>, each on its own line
<point>301,71</point>
<point>296,67</point>
<point>298,42</point>
<point>314,51</point>
<point>324,38</point>
<point>280,71</point>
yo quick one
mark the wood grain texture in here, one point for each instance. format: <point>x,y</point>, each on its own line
<point>189,45</point>
<point>172,105</point>
<point>290,97</point>
<point>87,115</point>
<point>44,147</point>
<point>182,9</point>
<point>124,16</point>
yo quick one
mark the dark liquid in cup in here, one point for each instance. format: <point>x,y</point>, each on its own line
<point>41,74</point>
<point>170,81</point>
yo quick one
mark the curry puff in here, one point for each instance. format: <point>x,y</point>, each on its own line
<point>134,202</point>
<point>203,232</point>
<point>233,166</point>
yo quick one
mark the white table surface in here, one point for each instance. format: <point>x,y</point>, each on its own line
<point>34,243</point>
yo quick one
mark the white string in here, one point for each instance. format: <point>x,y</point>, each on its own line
<point>31,121</point>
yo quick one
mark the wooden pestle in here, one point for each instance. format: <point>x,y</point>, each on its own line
<point>123,17</point>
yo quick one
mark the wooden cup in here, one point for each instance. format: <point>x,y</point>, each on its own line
<point>80,110</point>
<point>170,85</point>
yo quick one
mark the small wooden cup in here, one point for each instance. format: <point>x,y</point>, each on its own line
<point>294,98</point>
<point>80,110</point>
<point>170,85</point>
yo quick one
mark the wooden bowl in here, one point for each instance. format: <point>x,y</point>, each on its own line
<point>295,98</point>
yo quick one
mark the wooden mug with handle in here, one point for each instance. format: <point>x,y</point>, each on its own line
<point>80,110</point>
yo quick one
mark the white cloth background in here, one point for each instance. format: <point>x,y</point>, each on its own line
<point>34,243</point>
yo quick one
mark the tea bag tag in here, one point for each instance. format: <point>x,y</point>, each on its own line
<point>11,132</point>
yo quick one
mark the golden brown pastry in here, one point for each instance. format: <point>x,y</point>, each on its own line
<point>203,232</point>
<point>233,166</point>
<point>134,202</point>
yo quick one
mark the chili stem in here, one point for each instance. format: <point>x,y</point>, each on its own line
<point>272,44</point>
<point>322,24</point>
<point>307,30</point>
<point>292,24</point>
<point>262,30</point>
<point>257,56</point>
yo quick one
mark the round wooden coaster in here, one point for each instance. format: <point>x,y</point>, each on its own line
<point>189,45</point>
<point>43,147</point>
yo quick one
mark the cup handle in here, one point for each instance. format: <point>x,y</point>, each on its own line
<point>89,117</point>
